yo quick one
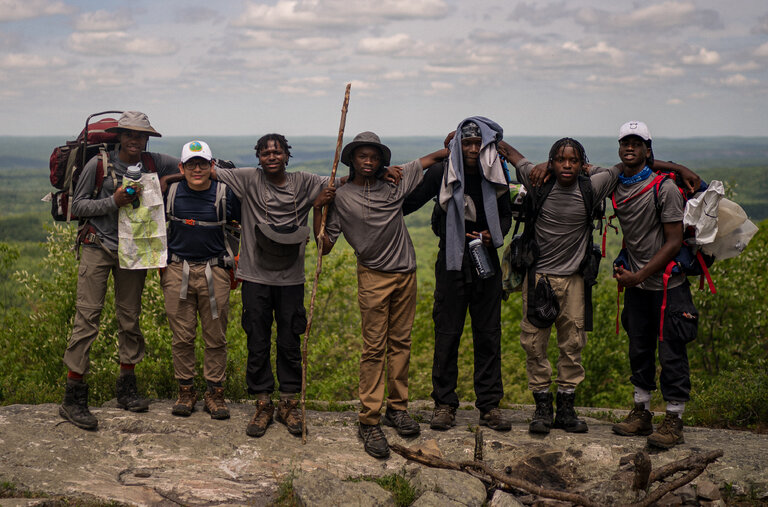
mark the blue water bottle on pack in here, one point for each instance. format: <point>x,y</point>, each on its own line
<point>131,182</point>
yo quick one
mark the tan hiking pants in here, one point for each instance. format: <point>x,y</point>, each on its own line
<point>182,319</point>
<point>96,264</point>
<point>571,336</point>
<point>387,308</point>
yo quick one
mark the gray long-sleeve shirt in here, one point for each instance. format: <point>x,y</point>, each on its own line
<point>101,210</point>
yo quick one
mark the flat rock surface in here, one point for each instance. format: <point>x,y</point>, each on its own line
<point>158,459</point>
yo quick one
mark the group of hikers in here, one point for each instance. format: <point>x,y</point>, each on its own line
<point>469,182</point>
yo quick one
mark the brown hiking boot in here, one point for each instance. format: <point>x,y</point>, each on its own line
<point>495,420</point>
<point>669,433</point>
<point>185,405</point>
<point>638,422</point>
<point>288,413</point>
<point>443,417</point>
<point>214,403</point>
<point>261,419</point>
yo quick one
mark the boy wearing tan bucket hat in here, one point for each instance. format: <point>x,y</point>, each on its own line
<point>98,259</point>
<point>369,212</point>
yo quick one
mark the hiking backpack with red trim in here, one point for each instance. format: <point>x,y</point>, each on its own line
<point>689,261</point>
<point>67,162</point>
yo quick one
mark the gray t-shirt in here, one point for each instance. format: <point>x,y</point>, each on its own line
<point>371,218</point>
<point>101,211</point>
<point>562,232</point>
<point>265,203</point>
<point>642,225</point>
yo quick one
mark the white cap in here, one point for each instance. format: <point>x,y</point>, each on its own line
<point>195,149</point>
<point>635,128</point>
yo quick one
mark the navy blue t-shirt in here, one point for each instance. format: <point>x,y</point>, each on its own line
<point>198,243</point>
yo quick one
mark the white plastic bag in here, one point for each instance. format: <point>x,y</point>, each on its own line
<point>701,212</point>
<point>734,231</point>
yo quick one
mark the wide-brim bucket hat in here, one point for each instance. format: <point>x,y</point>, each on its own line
<point>134,120</point>
<point>365,139</point>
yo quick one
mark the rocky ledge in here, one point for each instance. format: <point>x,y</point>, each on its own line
<point>158,459</point>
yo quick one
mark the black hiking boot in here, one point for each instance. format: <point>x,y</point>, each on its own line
<point>75,406</point>
<point>542,416</point>
<point>128,395</point>
<point>566,418</point>
<point>401,421</point>
<point>374,441</point>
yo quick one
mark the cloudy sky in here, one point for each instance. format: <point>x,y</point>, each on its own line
<point>417,67</point>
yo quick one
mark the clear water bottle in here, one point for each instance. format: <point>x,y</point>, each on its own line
<point>132,177</point>
<point>480,259</point>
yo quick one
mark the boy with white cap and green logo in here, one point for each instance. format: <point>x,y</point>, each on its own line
<point>196,281</point>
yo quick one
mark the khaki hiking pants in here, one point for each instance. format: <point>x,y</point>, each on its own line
<point>571,336</point>
<point>96,264</point>
<point>387,308</point>
<point>182,319</point>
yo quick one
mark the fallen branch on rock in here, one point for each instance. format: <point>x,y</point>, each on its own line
<point>474,466</point>
<point>694,464</point>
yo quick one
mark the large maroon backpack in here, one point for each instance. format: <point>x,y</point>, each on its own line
<point>67,162</point>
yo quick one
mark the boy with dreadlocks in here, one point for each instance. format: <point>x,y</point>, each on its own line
<point>275,207</point>
<point>562,217</point>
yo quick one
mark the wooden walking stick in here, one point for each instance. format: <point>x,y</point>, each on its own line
<point>319,269</point>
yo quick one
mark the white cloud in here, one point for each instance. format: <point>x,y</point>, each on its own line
<point>363,85</point>
<point>650,18</point>
<point>738,80</point>
<point>762,50</point>
<point>115,43</point>
<point>538,14</point>
<point>674,102</point>
<point>393,44</point>
<point>301,90</point>
<point>441,85</point>
<point>14,10</point>
<point>302,14</point>
<point>548,55</point>
<point>263,39</point>
<point>741,66</point>
<point>103,21</point>
<point>25,61</point>
<point>452,69</point>
<point>664,71</point>
<point>703,57</point>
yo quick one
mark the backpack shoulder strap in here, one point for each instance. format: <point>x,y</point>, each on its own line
<point>104,168</point>
<point>171,199</point>
<point>220,202</point>
<point>148,162</point>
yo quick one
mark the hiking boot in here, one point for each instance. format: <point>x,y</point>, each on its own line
<point>401,421</point>
<point>214,403</point>
<point>128,395</point>
<point>638,422</point>
<point>669,433</point>
<point>261,419</point>
<point>443,417</point>
<point>565,418</point>
<point>374,441</point>
<point>495,420</point>
<point>542,416</point>
<point>288,413</point>
<point>185,405</point>
<point>75,406</point>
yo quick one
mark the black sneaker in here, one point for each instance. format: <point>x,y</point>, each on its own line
<point>75,406</point>
<point>495,420</point>
<point>128,395</point>
<point>374,441</point>
<point>401,421</point>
